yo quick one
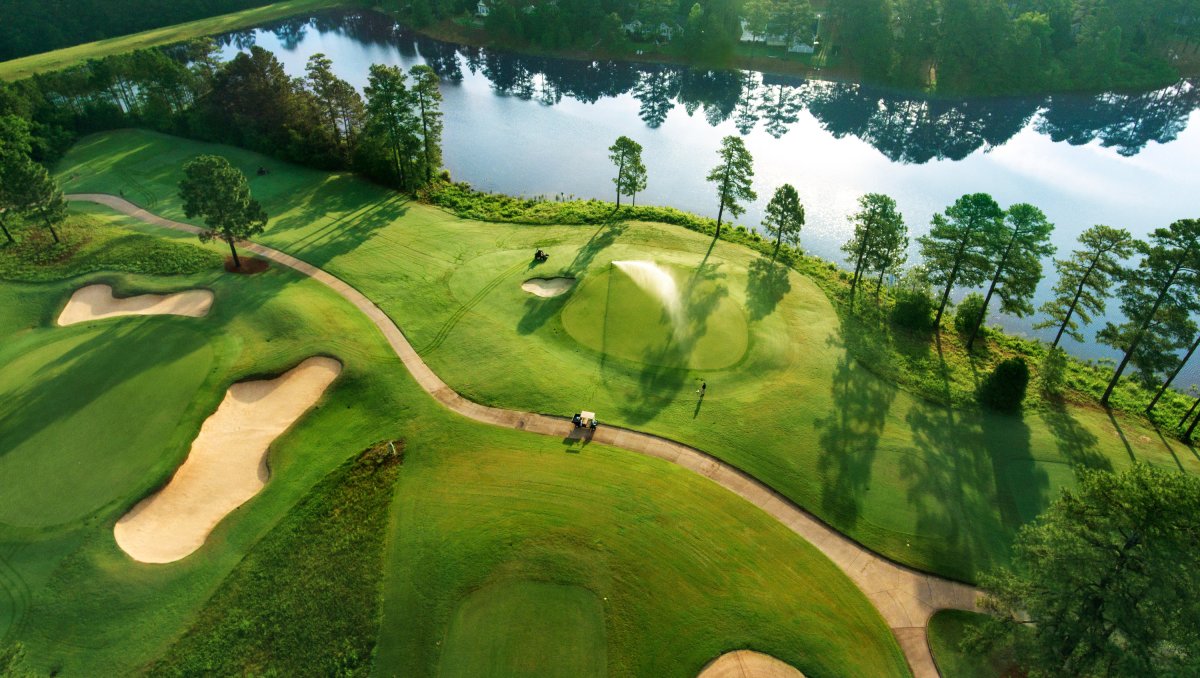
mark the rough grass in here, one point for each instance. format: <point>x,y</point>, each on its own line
<point>24,67</point>
<point>305,599</point>
<point>89,245</point>
<point>80,606</point>
<point>813,408</point>
<point>946,632</point>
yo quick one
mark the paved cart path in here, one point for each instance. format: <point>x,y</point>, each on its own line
<point>904,597</point>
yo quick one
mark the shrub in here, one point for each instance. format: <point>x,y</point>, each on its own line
<point>969,311</point>
<point>1004,388</point>
<point>913,309</point>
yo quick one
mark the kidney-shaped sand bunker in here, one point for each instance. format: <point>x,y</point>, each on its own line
<point>226,466</point>
<point>94,302</point>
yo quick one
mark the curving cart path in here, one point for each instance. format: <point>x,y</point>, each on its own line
<point>904,597</point>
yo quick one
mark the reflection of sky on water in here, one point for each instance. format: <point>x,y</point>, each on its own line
<point>541,127</point>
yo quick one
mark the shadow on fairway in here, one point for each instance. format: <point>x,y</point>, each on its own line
<point>849,437</point>
<point>971,480</point>
<point>766,285</point>
<point>1075,442</point>
<point>357,222</point>
<point>539,309</point>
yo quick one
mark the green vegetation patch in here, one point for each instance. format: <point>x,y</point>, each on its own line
<point>89,244</point>
<point>659,315</point>
<point>528,629</point>
<point>304,600</point>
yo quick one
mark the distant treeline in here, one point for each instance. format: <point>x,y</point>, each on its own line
<point>985,46</point>
<point>34,26</point>
<point>392,136</point>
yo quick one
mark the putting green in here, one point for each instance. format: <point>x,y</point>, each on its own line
<point>84,414</point>
<point>526,628</point>
<point>615,315</point>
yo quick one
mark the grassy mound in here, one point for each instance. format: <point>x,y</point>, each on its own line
<point>304,600</point>
<point>526,628</point>
<point>613,315</point>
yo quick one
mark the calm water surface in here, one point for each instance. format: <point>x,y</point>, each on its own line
<point>535,126</point>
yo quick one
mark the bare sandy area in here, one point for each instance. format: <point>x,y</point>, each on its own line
<point>94,302</point>
<point>748,664</point>
<point>227,464</point>
<point>547,287</point>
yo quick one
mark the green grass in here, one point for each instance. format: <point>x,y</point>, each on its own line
<point>24,67</point>
<point>86,246</point>
<point>942,489</point>
<point>526,629</point>
<point>322,561</point>
<point>946,631</point>
<point>689,571</point>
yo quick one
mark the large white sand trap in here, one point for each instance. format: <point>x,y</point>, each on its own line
<point>547,287</point>
<point>97,301</point>
<point>748,664</point>
<point>226,466</point>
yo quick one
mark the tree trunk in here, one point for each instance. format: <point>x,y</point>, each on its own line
<point>724,195</point>
<point>879,284</point>
<point>1187,435</point>
<point>620,172</point>
<point>237,263</point>
<point>1191,409</point>
<point>4,228</point>
<point>425,136</point>
<point>1178,369</point>
<point>51,227</point>
<point>987,300</point>
<point>1137,338</point>
<point>1075,301</point>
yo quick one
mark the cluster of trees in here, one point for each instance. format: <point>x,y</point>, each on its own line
<point>393,135</point>
<point>27,191</point>
<point>1027,45</point>
<point>975,243</point>
<point>33,26</point>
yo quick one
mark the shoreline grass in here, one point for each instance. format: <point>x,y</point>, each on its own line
<point>24,67</point>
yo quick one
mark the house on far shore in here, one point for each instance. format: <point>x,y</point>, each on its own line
<point>632,28</point>
<point>794,46</point>
<point>482,9</point>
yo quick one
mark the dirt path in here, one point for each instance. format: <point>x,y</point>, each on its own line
<point>904,597</point>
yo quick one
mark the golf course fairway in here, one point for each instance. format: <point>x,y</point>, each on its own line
<point>672,568</point>
<point>938,488</point>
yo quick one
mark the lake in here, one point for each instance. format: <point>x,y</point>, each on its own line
<point>541,127</point>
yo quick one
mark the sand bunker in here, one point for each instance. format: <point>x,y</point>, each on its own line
<point>748,664</point>
<point>226,466</point>
<point>97,301</point>
<point>547,287</point>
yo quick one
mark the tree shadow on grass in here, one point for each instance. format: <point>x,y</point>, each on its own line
<point>357,222</point>
<point>766,285</point>
<point>968,481</point>
<point>1078,445</point>
<point>849,438</point>
<point>538,310</point>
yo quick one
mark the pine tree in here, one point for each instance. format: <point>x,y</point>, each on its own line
<point>959,241</point>
<point>1084,280</point>
<point>733,177</point>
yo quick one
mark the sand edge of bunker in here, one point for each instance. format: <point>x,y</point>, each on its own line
<point>548,287</point>
<point>97,302</point>
<point>226,465</point>
<point>748,664</point>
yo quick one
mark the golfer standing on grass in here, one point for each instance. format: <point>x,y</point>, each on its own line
<point>703,388</point>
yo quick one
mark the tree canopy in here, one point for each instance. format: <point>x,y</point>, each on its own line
<point>785,216</point>
<point>733,178</point>
<point>1103,583</point>
<point>957,248</point>
<point>880,239</point>
<point>218,192</point>
<point>1085,280</point>
<point>626,154</point>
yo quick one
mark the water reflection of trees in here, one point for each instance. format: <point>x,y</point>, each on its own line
<point>905,127</point>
